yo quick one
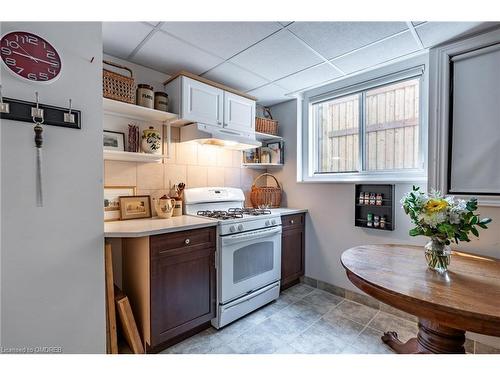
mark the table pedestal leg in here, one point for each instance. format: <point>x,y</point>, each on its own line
<point>432,338</point>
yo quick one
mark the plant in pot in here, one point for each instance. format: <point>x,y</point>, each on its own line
<point>444,219</point>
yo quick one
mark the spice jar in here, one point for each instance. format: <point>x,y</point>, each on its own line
<point>161,101</point>
<point>177,206</point>
<point>376,221</point>
<point>382,222</point>
<point>367,198</point>
<point>145,96</point>
<point>378,200</point>
<point>369,220</point>
<point>361,199</point>
<point>372,199</point>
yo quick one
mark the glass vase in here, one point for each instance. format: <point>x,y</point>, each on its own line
<point>437,254</point>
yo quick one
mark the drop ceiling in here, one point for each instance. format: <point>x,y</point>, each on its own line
<point>274,60</point>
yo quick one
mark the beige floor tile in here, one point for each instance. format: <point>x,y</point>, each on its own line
<point>343,328</point>
<point>387,322</point>
<point>354,311</point>
<point>486,349</point>
<point>370,342</point>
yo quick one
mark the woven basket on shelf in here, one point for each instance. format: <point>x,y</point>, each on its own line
<point>269,196</point>
<point>118,86</point>
<point>266,125</point>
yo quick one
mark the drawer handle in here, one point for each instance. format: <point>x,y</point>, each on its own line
<point>187,241</point>
<point>292,222</point>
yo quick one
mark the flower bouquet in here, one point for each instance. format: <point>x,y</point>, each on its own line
<point>443,219</point>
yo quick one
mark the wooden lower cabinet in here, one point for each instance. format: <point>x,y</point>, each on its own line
<point>292,249</point>
<point>171,282</point>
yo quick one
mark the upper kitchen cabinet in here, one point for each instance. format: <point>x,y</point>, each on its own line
<point>196,99</point>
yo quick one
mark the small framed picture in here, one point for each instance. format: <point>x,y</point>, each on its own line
<point>275,151</point>
<point>113,140</point>
<point>112,196</point>
<point>135,207</point>
<point>251,156</point>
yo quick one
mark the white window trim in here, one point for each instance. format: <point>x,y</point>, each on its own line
<point>439,111</point>
<point>305,141</point>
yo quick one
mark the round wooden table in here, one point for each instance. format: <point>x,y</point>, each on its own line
<point>465,298</point>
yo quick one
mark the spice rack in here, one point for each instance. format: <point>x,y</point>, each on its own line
<point>385,208</point>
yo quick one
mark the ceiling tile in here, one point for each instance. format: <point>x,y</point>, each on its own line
<point>233,76</point>
<point>120,38</point>
<point>224,39</point>
<point>168,54</point>
<point>433,33</point>
<point>285,23</point>
<point>277,56</point>
<point>270,94</point>
<point>416,23</point>
<point>378,53</point>
<point>333,39</point>
<point>309,77</point>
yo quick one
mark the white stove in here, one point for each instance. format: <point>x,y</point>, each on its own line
<point>248,253</point>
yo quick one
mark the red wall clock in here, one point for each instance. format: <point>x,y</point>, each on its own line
<point>30,57</point>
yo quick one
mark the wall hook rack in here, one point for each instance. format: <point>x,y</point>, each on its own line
<point>4,107</point>
<point>21,110</point>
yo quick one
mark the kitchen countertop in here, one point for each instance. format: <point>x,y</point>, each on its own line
<point>152,226</point>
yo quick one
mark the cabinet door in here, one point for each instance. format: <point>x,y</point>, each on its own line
<point>239,112</point>
<point>201,102</point>
<point>292,255</point>
<point>183,294</point>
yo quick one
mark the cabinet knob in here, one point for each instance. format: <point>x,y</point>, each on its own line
<point>292,222</point>
<point>187,241</point>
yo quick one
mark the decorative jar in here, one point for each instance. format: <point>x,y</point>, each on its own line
<point>151,141</point>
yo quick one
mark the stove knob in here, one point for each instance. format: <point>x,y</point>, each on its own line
<point>267,223</point>
<point>232,229</point>
<point>240,226</point>
<point>273,222</point>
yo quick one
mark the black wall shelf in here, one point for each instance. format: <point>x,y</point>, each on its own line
<point>386,209</point>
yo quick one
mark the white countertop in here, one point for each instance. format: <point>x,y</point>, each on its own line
<point>155,225</point>
<point>288,211</point>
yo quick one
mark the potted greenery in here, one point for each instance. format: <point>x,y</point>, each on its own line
<point>443,219</point>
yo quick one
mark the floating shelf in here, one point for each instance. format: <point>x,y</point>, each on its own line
<point>132,156</point>
<point>261,165</point>
<point>136,112</point>
<point>267,137</point>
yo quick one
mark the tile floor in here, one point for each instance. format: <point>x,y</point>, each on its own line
<point>303,320</point>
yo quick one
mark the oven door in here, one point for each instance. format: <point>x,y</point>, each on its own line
<point>249,261</point>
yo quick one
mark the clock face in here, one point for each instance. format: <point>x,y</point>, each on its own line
<point>30,56</point>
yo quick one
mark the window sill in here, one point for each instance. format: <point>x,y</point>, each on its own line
<point>385,177</point>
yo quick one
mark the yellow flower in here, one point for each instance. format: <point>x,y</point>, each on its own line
<point>435,205</point>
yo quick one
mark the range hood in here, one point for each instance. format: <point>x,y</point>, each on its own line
<point>214,135</point>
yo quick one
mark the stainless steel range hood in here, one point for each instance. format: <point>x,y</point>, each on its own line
<point>213,135</point>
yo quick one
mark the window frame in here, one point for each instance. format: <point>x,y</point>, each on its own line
<point>306,140</point>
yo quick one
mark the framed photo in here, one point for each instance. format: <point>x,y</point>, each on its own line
<point>113,140</point>
<point>135,207</point>
<point>275,150</point>
<point>112,201</point>
<point>251,156</point>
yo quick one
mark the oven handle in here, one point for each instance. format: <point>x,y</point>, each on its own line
<point>248,236</point>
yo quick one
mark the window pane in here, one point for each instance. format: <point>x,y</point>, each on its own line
<point>392,126</point>
<point>337,128</point>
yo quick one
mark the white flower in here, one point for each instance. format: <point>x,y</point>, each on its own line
<point>434,219</point>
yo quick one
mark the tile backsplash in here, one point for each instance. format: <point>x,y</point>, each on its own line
<point>196,165</point>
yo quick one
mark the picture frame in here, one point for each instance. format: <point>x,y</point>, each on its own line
<point>135,207</point>
<point>251,156</point>
<point>275,150</point>
<point>114,141</point>
<point>112,201</point>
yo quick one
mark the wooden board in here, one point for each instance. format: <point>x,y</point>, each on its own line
<point>111,336</point>
<point>209,82</point>
<point>128,322</point>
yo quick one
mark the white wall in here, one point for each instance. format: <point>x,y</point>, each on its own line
<point>52,257</point>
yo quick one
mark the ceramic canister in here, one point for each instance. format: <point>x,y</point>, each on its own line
<point>151,141</point>
<point>161,101</point>
<point>145,96</point>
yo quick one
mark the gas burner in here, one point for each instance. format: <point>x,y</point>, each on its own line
<point>250,211</point>
<point>221,215</point>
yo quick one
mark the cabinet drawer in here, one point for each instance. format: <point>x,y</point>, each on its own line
<point>162,244</point>
<point>292,220</point>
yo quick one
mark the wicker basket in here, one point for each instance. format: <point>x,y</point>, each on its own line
<point>118,86</point>
<point>266,125</point>
<point>269,196</point>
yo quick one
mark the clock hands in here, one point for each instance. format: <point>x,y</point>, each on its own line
<point>33,58</point>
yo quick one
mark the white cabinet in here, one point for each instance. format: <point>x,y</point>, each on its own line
<point>239,112</point>
<point>196,101</point>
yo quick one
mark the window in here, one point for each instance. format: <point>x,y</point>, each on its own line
<point>370,131</point>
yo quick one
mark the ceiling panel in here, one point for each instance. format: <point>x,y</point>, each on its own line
<point>433,33</point>
<point>233,76</point>
<point>333,39</point>
<point>120,38</point>
<point>416,23</point>
<point>270,94</point>
<point>378,53</point>
<point>168,54</point>
<point>309,77</point>
<point>277,56</point>
<point>224,39</point>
